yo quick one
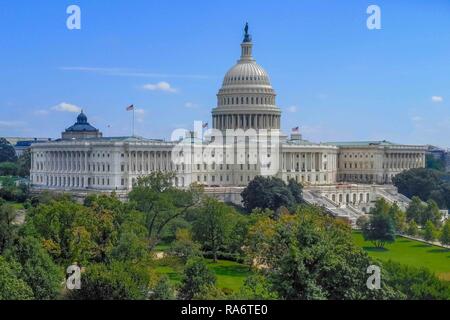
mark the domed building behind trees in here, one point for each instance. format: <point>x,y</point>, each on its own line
<point>344,177</point>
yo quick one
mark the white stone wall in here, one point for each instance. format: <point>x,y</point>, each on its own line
<point>374,164</point>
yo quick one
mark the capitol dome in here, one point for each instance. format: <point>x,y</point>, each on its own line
<point>246,99</point>
<point>246,72</point>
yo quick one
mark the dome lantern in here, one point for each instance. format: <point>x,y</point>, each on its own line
<point>246,45</point>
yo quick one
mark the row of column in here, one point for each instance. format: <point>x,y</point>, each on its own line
<point>61,161</point>
<point>246,121</point>
<point>313,161</point>
<point>139,161</point>
<point>404,160</point>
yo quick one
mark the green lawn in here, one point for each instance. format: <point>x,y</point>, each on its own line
<point>410,252</point>
<point>16,205</point>
<point>230,275</point>
<point>162,247</point>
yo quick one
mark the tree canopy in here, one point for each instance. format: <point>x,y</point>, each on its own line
<point>271,193</point>
<point>7,152</point>
<point>309,255</point>
<point>425,184</point>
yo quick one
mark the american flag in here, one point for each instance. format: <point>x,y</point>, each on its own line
<point>130,108</point>
<point>205,125</point>
<point>296,129</point>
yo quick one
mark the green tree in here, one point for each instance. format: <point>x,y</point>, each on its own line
<point>296,190</point>
<point>8,169</point>
<point>38,270</point>
<point>213,225</point>
<point>67,230</point>
<point>8,230</point>
<point>256,287</point>
<point>381,207</point>
<point>431,213</point>
<point>445,233</point>
<point>12,287</point>
<point>310,255</point>
<point>132,244</point>
<point>115,281</point>
<point>197,278</point>
<point>413,229</point>
<point>7,152</point>
<point>163,290</point>
<point>72,232</point>
<point>415,210</point>
<point>162,203</point>
<point>425,184</point>
<point>398,217</point>
<point>380,230</point>
<point>184,247</point>
<point>361,221</point>
<point>24,164</point>
<point>416,283</point>
<point>429,232</point>
<point>269,192</point>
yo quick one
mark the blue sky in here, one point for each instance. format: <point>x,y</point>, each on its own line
<point>334,78</point>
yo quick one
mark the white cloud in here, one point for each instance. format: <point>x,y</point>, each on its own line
<point>160,86</point>
<point>66,107</point>
<point>190,105</point>
<point>292,109</point>
<point>437,99</point>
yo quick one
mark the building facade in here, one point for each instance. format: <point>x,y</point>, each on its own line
<point>85,161</point>
<point>376,161</point>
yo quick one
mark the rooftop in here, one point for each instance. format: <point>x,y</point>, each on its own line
<point>362,143</point>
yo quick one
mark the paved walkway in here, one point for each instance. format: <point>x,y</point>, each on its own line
<point>435,243</point>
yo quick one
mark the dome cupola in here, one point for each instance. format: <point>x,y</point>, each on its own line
<point>246,98</point>
<point>82,119</point>
<point>81,129</point>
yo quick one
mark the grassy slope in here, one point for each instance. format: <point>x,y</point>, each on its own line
<point>410,252</point>
<point>230,275</point>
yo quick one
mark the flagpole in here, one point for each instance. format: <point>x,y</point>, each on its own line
<point>133,122</point>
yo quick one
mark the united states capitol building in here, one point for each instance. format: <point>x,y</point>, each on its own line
<point>245,141</point>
